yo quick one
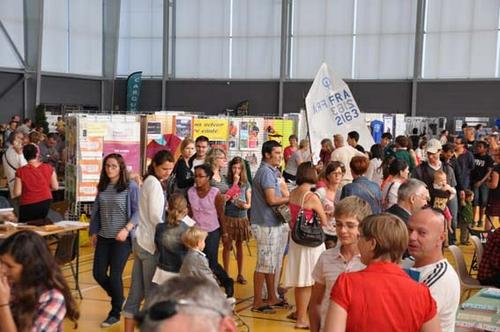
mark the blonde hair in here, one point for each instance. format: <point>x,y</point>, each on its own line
<point>177,209</point>
<point>192,236</point>
<point>212,156</point>
<point>303,143</point>
<point>353,206</point>
<point>390,234</point>
<point>185,142</point>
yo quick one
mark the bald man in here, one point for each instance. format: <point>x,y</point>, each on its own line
<point>427,232</point>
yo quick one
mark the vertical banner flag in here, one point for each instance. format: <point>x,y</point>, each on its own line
<point>331,109</point>
<point>133,91</point>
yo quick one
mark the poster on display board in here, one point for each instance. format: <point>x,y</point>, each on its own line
<point>251,133</point>
<point>234,134</point>
<point>389,124</point>
<point>183,126</point>
<point>91,147</point>
<point>278,130</point>
<point>331,109</point>
<point>90,170</point>
<point>125,138</point>
<point>214,129</point>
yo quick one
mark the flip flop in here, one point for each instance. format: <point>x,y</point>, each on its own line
<point>241,280</point>
<point>281,305</point>
<point>292,315</point>
<point>301,327</point>
<point>265,309</point>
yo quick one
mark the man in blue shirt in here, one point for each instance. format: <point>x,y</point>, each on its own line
<point>267,192</point>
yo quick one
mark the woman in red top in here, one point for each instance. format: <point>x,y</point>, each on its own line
<point>302,259</point>
<point>382,297</point>
<point>34,183</point>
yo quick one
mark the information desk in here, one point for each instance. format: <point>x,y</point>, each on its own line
<point>479,313</point>
<point>62,227</point>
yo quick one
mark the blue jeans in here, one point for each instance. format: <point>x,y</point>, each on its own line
<point>142,279</point>
<point>111,255</point>
<point>480,195</point>
<point>453,206</point>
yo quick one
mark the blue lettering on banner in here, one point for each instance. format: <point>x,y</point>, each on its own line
<point>340,103</point>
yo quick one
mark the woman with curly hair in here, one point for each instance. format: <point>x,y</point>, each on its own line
<point>34,295</point>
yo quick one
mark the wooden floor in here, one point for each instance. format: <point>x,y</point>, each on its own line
<point>95,304</point>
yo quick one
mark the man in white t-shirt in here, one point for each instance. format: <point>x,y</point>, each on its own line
<point>202,145</point>
<point>427,230</point>
<point>344,154</point>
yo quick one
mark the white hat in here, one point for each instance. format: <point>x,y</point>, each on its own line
<point>434,146</point>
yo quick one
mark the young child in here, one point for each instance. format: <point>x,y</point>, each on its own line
<point>441,193</point>
<point>466,216</point>
<point>195,262</point>
<point>168,239</point>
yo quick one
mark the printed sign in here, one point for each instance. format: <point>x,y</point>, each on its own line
<point>154,130</point>
<point>214,129</point>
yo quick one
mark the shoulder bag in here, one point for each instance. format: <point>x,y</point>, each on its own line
<point>308,233</point>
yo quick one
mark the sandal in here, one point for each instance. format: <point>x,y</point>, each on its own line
<point>265,309</point>
<point>241,280</point>
<point>292,315</point>
<point>301,327</point>
<point>281,305</point>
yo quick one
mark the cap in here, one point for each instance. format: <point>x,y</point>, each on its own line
<point>434,146</point>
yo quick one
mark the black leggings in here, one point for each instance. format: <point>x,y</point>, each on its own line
<point>34,211</point>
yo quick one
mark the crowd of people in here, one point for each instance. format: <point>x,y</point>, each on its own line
<point>382,216</point>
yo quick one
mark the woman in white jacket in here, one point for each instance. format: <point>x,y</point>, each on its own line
<point>152,205</point>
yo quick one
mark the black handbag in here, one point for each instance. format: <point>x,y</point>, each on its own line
<point>307,233</point>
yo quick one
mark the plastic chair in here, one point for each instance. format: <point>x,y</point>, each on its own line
<point>467,283</point>
<point>478,254</point>
<point>66,252</point>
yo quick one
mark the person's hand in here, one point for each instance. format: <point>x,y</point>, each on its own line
<point>236,178</point>
<point>4,290</point>
<point>462,194</point>
<point>122,235</point>
<point>93,240</point>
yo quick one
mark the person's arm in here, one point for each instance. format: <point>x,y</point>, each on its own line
<point>220,201</point>
<point>484,179</point>
<point>54,184</point>
<point>318,208</point>
<point>432,325</point>
<point>272,199</point>
<point>155,203</point>
<point>248,197</point>
<point>8,324</point>
<point>315,306</point>
<point>493,183</point>
<point>18,187</point>
<point>336,318</point>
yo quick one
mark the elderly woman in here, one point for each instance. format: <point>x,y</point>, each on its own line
<point>344,258</point>
<point>377,298</point>
<point>301,259</point>
<point>298,157</point>
<point>217,160</point>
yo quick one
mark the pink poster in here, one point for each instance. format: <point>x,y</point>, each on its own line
<point>130,151</point>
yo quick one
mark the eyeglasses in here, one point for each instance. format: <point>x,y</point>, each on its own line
<point>166,309</point>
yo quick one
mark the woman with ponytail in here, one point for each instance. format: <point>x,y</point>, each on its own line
<point>152,204</point>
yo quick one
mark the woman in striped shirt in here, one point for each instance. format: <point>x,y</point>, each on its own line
<point>114,216</point>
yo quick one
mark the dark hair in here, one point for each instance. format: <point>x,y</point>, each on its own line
<point>268,147</point>
<point>443,131</point>
<point>332,166</point>
<point>40,273</point>
<point>353,135</point>
<point>423,142</point>
<point>448,147</point>
<point>53,135</point>
<point>159,158</point>
<point>306,173</point>
<point>202,139</point>
<point>387,135</point>
<point>123,180</point>
<point>25,121</point>
<point>30,152</point>
<point>468,193</point>
<point>483,143</point>
<point>478,126</point>
<point>377,151</point>
<point>359,165</point>
<point>206,168</point>
<point>415,131</point>
<point>293,137</point>
<point>402,141</point>
<point>12,136</point>
<point>243,175</point>
<point>396,166</point>
<point>464,125</point>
